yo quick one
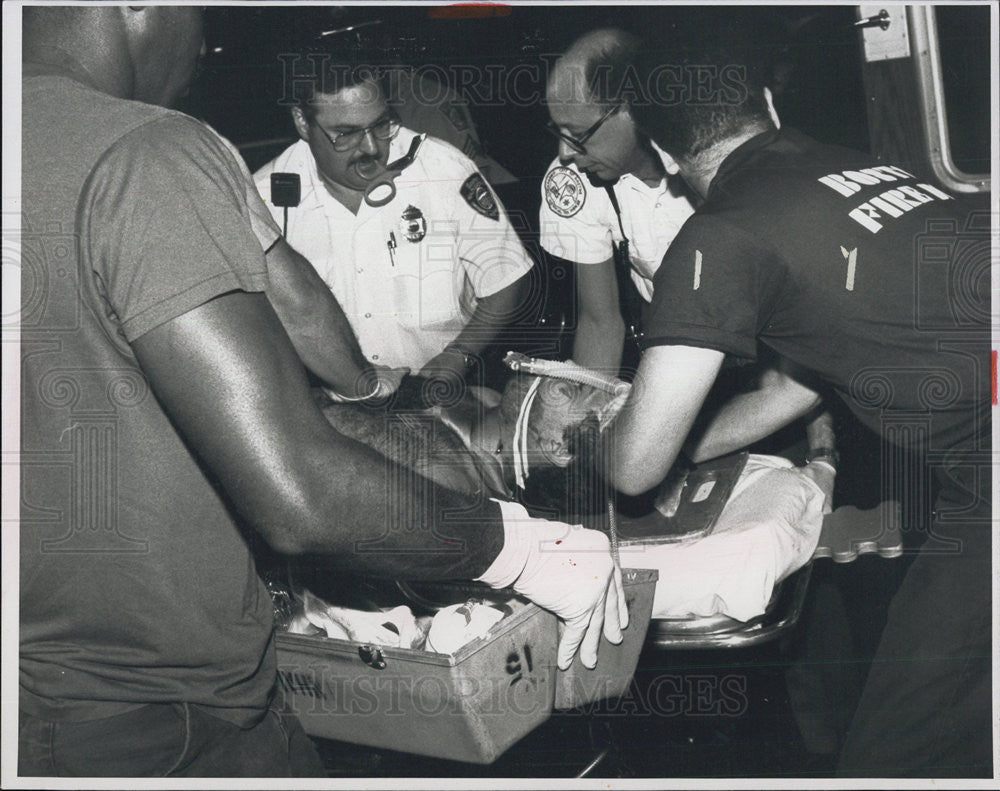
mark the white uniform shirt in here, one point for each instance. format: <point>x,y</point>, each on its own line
<point>579,224</point>
<point>408,284</point>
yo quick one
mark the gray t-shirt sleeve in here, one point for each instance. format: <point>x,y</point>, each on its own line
<point>264,225</point>
<point>165,224</point>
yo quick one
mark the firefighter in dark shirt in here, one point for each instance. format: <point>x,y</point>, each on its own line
<point>876,281</point>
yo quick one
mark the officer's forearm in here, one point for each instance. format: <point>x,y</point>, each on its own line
<point>315,322</point>
<point>750,417</point>
<point>492,313</point>
<point>598,341</point>
<point>820,433</point>
<point>600,330</point>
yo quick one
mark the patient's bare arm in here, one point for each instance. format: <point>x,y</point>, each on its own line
<point>416,440</point>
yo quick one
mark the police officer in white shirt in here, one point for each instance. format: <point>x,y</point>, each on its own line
<point>427,278</point>
<point>599,144</point>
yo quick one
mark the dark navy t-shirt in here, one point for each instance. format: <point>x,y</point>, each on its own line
<point>874,279</point>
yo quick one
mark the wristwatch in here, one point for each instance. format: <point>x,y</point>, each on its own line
<point>830,455</point>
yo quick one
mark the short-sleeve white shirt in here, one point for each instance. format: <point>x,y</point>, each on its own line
<point>579,224</point>
<point>408,274</point>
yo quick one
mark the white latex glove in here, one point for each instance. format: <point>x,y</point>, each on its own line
<point>386,383</point>
<point>568,570</point>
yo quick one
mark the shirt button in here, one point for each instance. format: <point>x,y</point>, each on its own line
<point>374,356</point>
<point>368,315</point>
<point>360,271</point>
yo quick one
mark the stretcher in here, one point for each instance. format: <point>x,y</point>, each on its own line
<point>693,504</point>
<point>844,535</point>
<point>689,514</point>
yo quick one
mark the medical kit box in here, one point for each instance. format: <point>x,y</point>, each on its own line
<point>581,686</point>
<point>467,706</point>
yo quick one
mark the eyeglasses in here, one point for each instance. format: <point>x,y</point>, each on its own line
<point>383,129</point>
<point>578,144</point>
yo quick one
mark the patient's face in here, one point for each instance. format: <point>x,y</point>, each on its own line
<point>560,405</point>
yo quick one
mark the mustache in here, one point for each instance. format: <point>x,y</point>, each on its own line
<point>367,160</point>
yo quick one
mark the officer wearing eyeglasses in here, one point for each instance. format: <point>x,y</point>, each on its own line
<point>427,279</point>
<point>600,149</point>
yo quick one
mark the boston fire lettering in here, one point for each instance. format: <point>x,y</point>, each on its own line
<point>892,203</point>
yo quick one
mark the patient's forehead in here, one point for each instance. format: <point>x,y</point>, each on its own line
<point>563,403</point>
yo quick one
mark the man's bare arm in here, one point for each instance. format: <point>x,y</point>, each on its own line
<point>492,313</point>
<point>600,329</point>
<point>315,322</point>
<point>669,389</point>
<point>228,377</point>
<point>749,417</point>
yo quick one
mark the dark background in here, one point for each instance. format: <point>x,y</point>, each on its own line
<point>814,57</point>
<point>815,51</point>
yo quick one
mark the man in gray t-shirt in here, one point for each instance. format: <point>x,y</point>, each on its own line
<point>165,413</point>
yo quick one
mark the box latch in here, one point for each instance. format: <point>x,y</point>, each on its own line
<point>372,656</point>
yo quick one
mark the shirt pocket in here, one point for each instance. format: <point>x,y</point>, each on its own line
<point>429,285</point>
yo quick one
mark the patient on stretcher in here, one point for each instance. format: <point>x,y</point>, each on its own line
<point>536,442</point>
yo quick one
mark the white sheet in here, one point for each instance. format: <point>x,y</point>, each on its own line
<point>769,528</point>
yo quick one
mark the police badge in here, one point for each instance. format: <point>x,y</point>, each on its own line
<point>412,224</point>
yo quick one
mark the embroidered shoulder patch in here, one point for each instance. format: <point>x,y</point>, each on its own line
<point>564,191</point>
<point>479,197</point>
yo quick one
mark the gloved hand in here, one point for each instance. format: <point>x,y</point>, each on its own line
<point>568,570</point>
<point>379,382</point>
